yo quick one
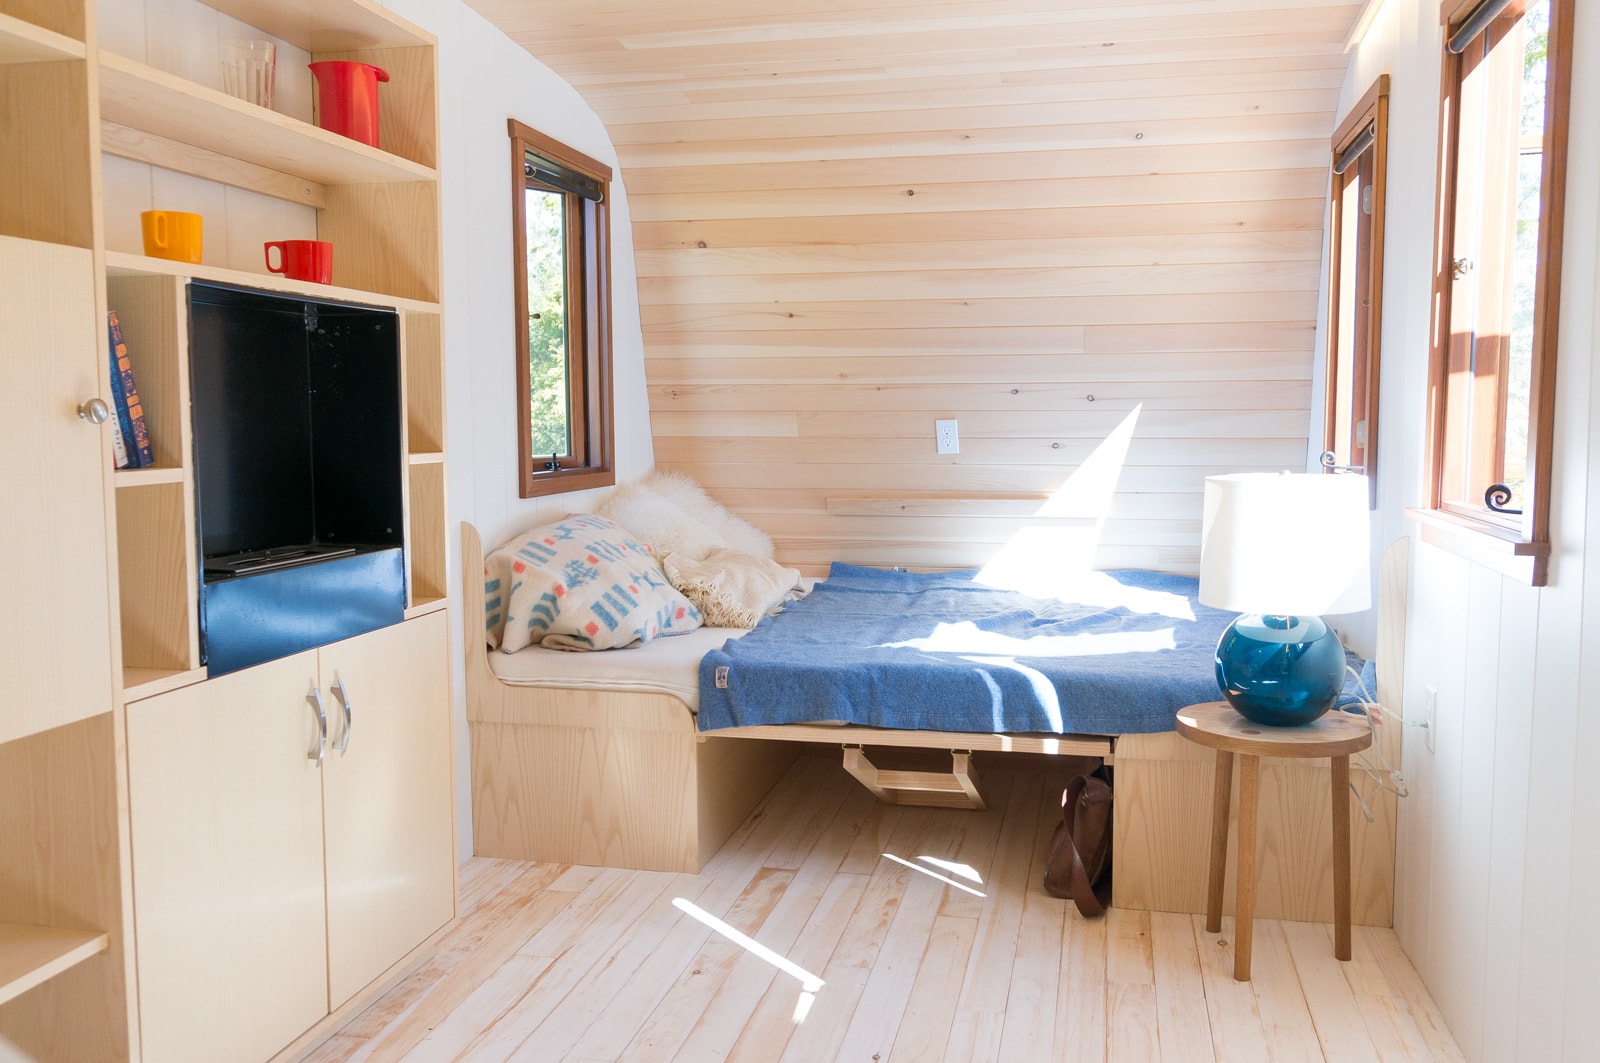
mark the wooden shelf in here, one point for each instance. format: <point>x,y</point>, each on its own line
<point>30,955</point>
<point>23,42</point>
<point>122,264</point>
<point>324,26</point>
<point>146,477</point>
<point>153,101</point>
<point>141,683</point>
<point>428,605</point>
<point>429,458</point>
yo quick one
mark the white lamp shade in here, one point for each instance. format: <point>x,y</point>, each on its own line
<point>1286,544</point>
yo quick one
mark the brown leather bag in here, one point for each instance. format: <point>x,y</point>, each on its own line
<point>1079,866</point>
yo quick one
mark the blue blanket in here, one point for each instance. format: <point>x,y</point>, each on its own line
<point>939,651</point>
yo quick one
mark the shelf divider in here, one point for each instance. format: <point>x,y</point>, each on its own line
<point>23,42</point>
<point>30,955</point>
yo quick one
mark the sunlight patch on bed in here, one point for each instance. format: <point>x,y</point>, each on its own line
<point>1044,691</point>
<point>809,983</point>
<point>1045,561</point>
<point>946,879</point>
<point>966,637</point>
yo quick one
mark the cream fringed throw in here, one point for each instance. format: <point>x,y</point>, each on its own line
<point>731,588</point>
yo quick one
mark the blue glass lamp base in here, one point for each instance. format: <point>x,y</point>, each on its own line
<point>1280,670</point>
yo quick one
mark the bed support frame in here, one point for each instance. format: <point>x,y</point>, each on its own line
<point>957,788</point>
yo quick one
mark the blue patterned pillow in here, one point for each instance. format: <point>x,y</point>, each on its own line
<point>579,584</point>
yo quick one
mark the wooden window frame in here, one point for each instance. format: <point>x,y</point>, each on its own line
<point>590,400</point>
<point>1515,545</point>
<point>1372,110</point>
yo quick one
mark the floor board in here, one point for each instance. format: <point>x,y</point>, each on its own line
<point>927,929</point>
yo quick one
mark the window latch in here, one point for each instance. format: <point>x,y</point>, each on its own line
<point>1460,268</point>
<point>1330,461</point>
<point>554,464</point>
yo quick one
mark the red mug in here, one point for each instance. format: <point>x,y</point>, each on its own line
<point>301,260</point>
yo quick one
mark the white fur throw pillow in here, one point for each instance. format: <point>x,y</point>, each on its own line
<point>675,516</point>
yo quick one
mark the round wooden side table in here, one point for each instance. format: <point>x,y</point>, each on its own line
<point>1334,735</point>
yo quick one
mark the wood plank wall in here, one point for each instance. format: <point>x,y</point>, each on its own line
<point>1043,218</point>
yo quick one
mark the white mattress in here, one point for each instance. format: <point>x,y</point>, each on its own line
<point>668,665</point>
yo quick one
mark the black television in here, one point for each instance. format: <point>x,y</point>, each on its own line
<point>299,465</point>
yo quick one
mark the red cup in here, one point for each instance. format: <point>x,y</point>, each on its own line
<point>301,260</point>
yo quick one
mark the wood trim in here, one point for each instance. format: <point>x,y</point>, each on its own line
<point>136,144</point>
<point>1373,107</point>
<point>591,462</point>
<point>1360,113</point>
<point>1547,298</point>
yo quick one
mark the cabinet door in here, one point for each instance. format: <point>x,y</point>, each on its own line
<point>56,623</point>
<point>226,814</point>
<point>387,799</point>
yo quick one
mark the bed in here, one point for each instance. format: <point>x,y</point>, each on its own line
<point>598,759</point>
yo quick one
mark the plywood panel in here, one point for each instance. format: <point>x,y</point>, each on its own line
<point>852,218</point>
<point>53,540</point>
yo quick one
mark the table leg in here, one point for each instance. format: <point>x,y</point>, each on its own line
<point>1245,889</point>
<point>1340,774</point>
<point>1221,793</point>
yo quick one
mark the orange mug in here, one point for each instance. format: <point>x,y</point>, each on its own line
<point>172,234</point>
<point>301,260</point>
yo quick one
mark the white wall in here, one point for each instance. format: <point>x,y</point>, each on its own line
<point>1500,839</point>
<point>483,80</point>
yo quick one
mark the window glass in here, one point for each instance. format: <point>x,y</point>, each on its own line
<point>549,419</point>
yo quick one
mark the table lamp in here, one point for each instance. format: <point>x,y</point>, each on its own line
<point>1282,549</point>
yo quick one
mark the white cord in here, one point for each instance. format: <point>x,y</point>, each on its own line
<point>1384,775</point>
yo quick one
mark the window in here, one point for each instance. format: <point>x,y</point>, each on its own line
<point>562,279</point>
<point>1355,287</point>
<point>1503,133</point>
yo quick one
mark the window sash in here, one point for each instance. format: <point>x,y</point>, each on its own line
<point>1471,310</point>
<point>544,165</point>
<point>1355,286</point>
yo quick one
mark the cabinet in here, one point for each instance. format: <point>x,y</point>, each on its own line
<point>282,863</point>
<point>107,108</point>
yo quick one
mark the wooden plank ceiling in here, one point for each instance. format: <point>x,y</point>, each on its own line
<point>852,217</point>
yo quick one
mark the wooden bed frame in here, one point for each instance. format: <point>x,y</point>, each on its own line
<point>623,779</point>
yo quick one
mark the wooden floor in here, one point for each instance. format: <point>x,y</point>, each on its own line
<point>921,934</point>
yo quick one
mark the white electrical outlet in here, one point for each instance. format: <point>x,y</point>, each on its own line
<point>1430,726</point>
<point>944,434</point>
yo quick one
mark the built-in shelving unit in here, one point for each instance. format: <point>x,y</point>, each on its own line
<point>78,107</point>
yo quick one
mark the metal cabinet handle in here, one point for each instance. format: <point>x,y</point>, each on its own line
<point>320,746</point>
<point>95,411</point>
<point>343,694</point>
